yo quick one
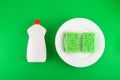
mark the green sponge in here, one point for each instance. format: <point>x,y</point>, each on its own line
<point>72,41</point>
<point>88,42</point>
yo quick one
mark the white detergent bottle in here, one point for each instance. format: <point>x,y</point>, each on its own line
<point>36,49</point>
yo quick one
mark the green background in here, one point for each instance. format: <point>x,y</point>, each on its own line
<point>17,16</point>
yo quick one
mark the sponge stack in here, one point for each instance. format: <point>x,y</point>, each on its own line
<point>73,43</point>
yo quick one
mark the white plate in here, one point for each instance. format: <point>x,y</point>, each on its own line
<point>80,59</point>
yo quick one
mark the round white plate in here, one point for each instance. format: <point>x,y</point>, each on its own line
<point>80,59</point>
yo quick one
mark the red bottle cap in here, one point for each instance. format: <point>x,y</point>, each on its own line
<point>37,22</point>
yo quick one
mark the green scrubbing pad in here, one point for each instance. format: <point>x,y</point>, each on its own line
<point>88,42</point>
<point>72,41</point>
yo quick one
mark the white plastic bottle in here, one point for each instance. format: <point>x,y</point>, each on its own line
<point>36,49</point>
